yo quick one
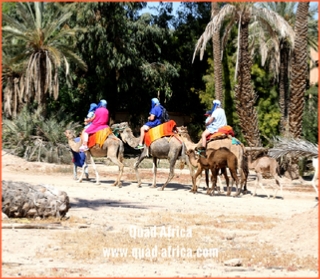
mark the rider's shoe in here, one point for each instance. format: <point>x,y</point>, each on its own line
<point>83,148</point>
<point>139,146</point>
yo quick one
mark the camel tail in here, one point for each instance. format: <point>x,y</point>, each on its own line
<point>183,156</point>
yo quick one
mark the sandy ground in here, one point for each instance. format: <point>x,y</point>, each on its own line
<point>266,237</point>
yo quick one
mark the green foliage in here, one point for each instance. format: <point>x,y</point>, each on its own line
<point>268,109</point>
<point>35,138</point>
<point>310,116</point>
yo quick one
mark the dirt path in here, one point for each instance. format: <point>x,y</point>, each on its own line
<point>170,233</point>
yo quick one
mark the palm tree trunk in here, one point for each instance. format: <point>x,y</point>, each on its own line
<point>217,57</point>
<point>245,96</point>
<point>299,71</point>
<point>284,86</point>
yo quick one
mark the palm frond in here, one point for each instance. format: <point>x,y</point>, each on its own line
<point>213,26</point>
<point>297,147</point>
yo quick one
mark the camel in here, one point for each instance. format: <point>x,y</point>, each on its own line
<point>218,159</point>
<point>264,165</point>
<point>170,148</point>
<point>112,149</point>
<point>200,167</point>
<point>236,149</point>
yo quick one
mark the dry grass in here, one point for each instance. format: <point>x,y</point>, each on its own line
<point>222,234</point>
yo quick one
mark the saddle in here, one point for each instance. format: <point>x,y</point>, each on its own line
<point>162,130</point>
<point>222,133</point>
<point>99,137</point>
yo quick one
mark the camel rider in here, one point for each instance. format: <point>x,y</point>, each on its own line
<point>99,122</point>
<point>154,120</point>
<point>217,120</point>
<point>90,116</point>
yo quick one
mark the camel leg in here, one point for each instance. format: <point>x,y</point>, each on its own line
<point>75,176</point>
<point>121,167</point>
<point>221,190</point>
<point>86,171</point>
<point>224,172</point>
<point>154,171</point>
<point>278,186</point>
<point>194,180</point>
<point>259,177</point>
<point>93,166</point>
<point>214,180</point>
<point>172,160</point>
<point>136,165</point>
<point>236,179</point>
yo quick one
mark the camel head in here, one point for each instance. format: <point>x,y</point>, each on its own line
<point>69,134</point>
<point>119,126</point>
<point>125,133</point>
<point>192,157</point>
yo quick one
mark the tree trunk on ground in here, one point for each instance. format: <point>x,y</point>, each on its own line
<point>244,93</point>
<point>20,199</point>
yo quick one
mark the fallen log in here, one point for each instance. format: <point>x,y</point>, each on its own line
<point>35,226</point>
<point>20,199</point>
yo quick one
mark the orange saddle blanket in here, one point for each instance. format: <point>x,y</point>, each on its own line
<point>99,137</point>
<point>162,130</point>
<point>223,131</point>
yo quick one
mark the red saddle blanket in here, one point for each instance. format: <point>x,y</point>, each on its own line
<point>99,137</point>
<point>162,130</point>
<point>223,131</point>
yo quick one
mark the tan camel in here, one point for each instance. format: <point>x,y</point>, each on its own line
<point>170,148</point>
<point>194,160</point>
<point>236,149</point>
<point>112,149</point>
<point>264,165</point>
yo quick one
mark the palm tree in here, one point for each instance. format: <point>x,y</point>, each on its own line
<point>299,71</point>
<point>217,56</point>
<point>279,55</point>
<point>44,41</point>
<point>243,14</point>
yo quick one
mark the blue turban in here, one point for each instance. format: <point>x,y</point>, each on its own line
<point>154,101</point>
<point>102,103</point>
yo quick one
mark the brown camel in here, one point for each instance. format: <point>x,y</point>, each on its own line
<point>218,159</point>
<point>264,165</point>
<point>194,160</point>
<point>236,149</point>
<point>112,149</point>
<point>170,148</point>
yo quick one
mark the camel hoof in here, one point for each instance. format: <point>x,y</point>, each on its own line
<point>79,181</point>
<point>228,194</point>
<point>97,183</point>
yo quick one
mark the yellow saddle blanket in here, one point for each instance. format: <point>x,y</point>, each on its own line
<point>99,137</point>
<point>162,130</point>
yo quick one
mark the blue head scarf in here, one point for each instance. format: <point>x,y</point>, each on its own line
<point>93,107</point>
<point>216,103</point>
<point>154,101</point>
<point>102,103</point>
